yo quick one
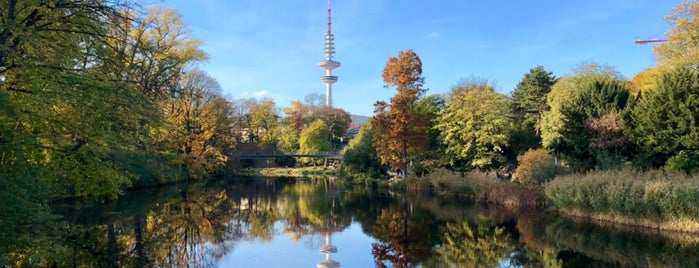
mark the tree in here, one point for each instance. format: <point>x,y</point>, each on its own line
<point>591,136</point>
<point>561,94</point>
<point>643,81</point>
<point>475,125</point>
<point>527,105</point>
<point>155,50</point>
<point>315,139</point>
<point>199,125</point>
<point>399,128</point>
<point>337,121</point>
<point>264,123</point>
<point>296,115</point>
<point>432,155</point>
<point>682,47</point>
<point>529,97</point>
<point>360,155</point>
<point>663,123</point>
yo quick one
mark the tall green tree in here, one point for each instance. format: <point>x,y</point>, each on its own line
<point>663,123</point>
<point>432,155</point>
<point>475,125</point>
<point>316,138</point>
<point>399,128</point>
<point>527,105</point>
<point>529,97</point>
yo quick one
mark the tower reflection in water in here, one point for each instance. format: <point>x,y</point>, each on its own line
<point>328,249</point>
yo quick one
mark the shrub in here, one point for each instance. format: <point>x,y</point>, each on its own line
<point>683,161</point>
<point>536,167</point>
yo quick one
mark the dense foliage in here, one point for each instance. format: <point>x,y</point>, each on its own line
<point>664,122</point>
<point>475,126</point>
<point>400,130</point>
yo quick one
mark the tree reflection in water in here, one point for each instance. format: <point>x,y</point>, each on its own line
<point>198,225</point>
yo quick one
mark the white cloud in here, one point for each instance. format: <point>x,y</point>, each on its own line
<point>256,94</point>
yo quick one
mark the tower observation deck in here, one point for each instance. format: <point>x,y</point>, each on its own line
<point>329,64</point>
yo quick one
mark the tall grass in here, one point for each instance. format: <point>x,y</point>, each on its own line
<point>653,198</point>
<point>475,186</point>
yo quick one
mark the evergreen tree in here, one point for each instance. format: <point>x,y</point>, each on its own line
<point>589,117</point>
<point>664,123</point>
<point>529,98</point>
<point>527,105</point>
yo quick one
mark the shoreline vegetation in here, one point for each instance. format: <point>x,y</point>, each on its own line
<point>654,199</point>
<point>289,172</point>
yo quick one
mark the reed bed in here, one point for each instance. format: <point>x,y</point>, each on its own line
<point>653,198</point>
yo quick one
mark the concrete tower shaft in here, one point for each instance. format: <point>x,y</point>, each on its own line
<point>329,64</point>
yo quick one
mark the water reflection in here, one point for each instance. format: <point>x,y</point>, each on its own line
<point>304,223</point>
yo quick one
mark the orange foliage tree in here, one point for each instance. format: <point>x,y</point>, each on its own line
<point>399,127</point>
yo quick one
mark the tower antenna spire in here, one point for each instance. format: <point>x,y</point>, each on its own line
<point>329,20</point>
<point>329,64</point>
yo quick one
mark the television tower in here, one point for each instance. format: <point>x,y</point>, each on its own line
<point>329,64</point>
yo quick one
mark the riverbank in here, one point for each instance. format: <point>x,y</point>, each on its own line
<point>653,199</point>
<point>481,187</point>
<point>647,199</point>
<point>290,172</point>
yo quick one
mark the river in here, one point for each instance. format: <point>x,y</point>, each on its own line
<point>265,222</point>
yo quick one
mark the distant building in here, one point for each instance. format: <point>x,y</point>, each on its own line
<point>358,121</point>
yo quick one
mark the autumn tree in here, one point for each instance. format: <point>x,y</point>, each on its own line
<point>643,81</point>
<point>400,129</point>
<point>198,125</point>
<point>403,240</point>
<point>264,124</point>
<point>682,47</point>
<point>475,125</point>
<point>296,115</point>
<point>337,121</point>
<point>155,49</point>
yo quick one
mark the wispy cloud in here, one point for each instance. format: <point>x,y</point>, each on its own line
<point>255,94</point>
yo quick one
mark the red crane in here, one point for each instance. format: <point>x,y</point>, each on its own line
<point>646,41</point>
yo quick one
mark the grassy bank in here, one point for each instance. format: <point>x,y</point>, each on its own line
<point>655,199</point>
<point>482,187</point>
<point>290,172</point>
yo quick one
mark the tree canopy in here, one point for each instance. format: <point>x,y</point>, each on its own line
<point>475,125</point>
<point>399,127</point>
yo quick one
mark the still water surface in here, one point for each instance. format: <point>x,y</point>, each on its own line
<point>263,222</point>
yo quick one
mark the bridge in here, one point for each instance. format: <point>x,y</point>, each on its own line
<point>329,155</point>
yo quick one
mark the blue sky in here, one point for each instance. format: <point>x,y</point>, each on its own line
<point>270,48</point>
